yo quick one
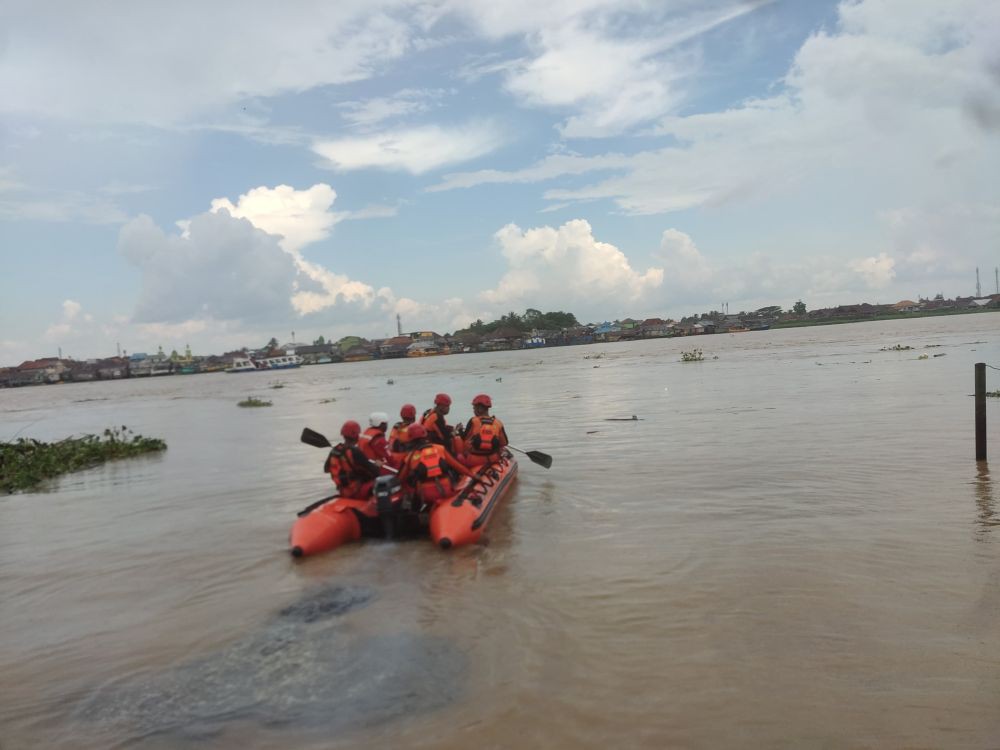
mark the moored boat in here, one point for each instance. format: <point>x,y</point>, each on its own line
<point>280,363</point>
<point>457,521</point>
<point>242,365</point>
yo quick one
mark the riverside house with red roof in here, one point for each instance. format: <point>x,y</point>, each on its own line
<point>39,371</point>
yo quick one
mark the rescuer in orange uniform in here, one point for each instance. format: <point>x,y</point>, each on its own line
<point>426,468</point>
<point>350,469</point>
<point>372,441</point>
<point>399,436</point>
<point>438,430</point>
<point>484,435</point>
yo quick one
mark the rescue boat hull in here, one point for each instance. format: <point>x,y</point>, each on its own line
<point>455,522</point>
<point>462,520</point>
<point>327,527</point>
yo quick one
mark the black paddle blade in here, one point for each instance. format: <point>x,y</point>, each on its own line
<point>542,459</point>
<point>311,437</point>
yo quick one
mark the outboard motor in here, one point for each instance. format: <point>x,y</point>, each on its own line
<point>385,488</point>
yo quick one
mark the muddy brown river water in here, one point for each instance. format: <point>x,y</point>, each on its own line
<point>791,548</point>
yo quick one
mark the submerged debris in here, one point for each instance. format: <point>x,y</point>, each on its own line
<point>633,418</point>
<point>896,348</point>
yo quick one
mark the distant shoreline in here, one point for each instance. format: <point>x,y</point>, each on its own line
<point>871,318</point>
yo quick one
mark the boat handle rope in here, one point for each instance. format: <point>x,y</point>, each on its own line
<point>484,478</point>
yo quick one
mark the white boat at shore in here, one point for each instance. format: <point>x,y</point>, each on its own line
<point>245,364</point>
<point>242,365</point>
<point>280,363</point>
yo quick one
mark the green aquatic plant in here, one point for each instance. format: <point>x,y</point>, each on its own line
<point>254,401</point>
<point>896,348</point>
<point>277,384</point>
<point>328,400</point>
<point>992,394</point>
<point>26,462</point>
<point>695,355</point>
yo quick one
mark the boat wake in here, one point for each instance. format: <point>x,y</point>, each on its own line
<point>305,671</point>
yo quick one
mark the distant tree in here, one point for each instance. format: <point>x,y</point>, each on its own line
<point>556,320</point>
<point>319,342</point>
<point>272,344</point>
<point>532,319</point>
<point>799,308</point>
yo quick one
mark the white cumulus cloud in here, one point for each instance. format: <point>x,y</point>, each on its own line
<point>223,268</point>
<point>684,264</point>
<point>568,268</point>
<point>299,217</point>
<point>71,309</point>
<point>877,271</point>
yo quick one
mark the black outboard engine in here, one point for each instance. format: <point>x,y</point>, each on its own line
<point>385,488</point>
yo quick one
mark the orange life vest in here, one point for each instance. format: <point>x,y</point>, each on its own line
<point>484,435</point>
<point>399,436</point>
<point>340,464</point>
<point>365,443</point>
<point>425,463</point>
<point>438,431</point>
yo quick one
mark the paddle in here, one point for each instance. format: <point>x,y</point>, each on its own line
<point>318,440</point>
<point>315,439</point>
<point>542,459</point>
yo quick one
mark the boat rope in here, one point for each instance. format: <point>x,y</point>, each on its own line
<point>486,477</point>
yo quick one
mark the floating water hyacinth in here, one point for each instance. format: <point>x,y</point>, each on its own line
<point>25,463</point>
<point>254,401</point>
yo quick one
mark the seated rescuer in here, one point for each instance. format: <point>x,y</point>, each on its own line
<point>399,437</point>
<point>425,468</point>
<point>485,436</point>
<point>350,469</point>
<point>438,430</point>
<point>372,442</point>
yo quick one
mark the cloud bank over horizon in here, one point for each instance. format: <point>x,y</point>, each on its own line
<point>683,155</point>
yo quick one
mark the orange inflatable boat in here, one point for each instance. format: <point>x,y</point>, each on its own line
<point>391,514</point>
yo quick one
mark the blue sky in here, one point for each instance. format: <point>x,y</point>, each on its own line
<point>218,173</point>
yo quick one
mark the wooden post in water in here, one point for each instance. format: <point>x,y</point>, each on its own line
<point>980,411</point>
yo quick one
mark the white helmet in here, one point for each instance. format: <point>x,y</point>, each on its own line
<point>378,417</point>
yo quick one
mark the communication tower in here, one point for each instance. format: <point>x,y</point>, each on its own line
<point>979,292</point>
<point>399,325</point>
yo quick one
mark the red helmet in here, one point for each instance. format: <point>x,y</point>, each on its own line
<point>351,430</point>
<point>409,411</point>
<point>416,432</point>
<point>442,399</point>
<point>482,400</point>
